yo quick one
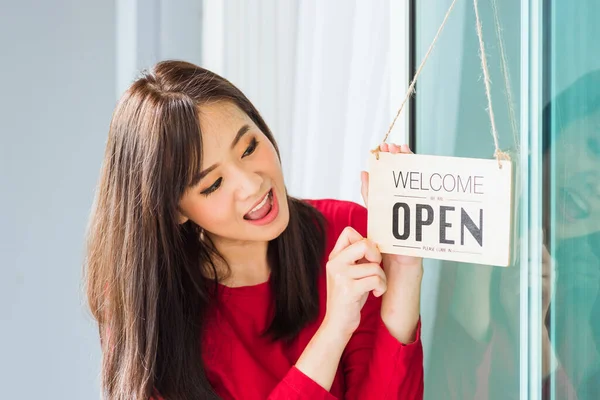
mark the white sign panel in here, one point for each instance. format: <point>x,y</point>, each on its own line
<point>447,208</point>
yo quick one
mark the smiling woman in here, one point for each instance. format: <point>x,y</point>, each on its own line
<point>208,280</point>
<point>231,201</point>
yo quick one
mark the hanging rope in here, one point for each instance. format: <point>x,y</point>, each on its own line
<point>506,74</point>
<point>499,154</point>
<point>411,87</point>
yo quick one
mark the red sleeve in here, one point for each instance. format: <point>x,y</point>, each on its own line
<point>294,386</point>
<point>375,364</point>
<point>297,386</point>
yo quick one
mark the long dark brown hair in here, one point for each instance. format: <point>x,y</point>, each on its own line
<point>146,274</point>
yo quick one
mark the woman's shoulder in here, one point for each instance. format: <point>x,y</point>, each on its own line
<point>341,213</point>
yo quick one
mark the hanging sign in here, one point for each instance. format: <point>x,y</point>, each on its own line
<point>446,208</point>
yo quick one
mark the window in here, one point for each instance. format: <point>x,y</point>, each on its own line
<point>531,330</point>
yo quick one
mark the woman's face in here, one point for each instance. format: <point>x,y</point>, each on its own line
<point>241,196</point>
<point>577,172</point>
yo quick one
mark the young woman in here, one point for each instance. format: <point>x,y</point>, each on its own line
<point>209,281</point>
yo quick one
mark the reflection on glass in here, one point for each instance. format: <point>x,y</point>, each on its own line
<point>572,166</point>
<point>571,123</point>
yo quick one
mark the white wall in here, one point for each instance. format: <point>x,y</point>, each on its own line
<point>152,30</point>
<point>58,90</point>
<point>63,65</point>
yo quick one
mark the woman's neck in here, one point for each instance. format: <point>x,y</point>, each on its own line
<point>247,262</point>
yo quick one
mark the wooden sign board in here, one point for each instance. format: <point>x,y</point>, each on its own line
<point>446,208</point>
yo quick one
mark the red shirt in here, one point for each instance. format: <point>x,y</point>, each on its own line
<point>242,364</point>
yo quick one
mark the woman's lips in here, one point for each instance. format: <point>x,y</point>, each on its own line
<point>269,211</point>
<point>261,209</point>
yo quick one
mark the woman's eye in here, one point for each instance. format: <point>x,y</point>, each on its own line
<point>212,187</point>
<point>253,145</point>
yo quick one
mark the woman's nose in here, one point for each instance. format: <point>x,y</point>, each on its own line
<point>250,184</point>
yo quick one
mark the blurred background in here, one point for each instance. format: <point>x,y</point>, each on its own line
<point>328,78</point>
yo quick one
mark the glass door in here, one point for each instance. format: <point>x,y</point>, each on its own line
<point>475,315</point>
<point>571,168</point>
<point>532,330</point>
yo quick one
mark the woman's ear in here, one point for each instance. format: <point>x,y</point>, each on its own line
<point>181,217</point>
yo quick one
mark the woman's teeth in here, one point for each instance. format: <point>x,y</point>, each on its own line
<point>262,203</point>
<point>262,209</point>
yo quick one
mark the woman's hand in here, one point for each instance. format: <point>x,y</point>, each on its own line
<point>353,271</point>
<point>401,304</point>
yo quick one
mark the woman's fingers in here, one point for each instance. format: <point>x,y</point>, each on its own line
<point>351,247</point>
<point>405,149</point>
<point>395,149</point>
<point>386,148</point>
<point>359,250</point>
<point>364,186</point>
<point>374,283</point>
<point>360,271</point>
<point>348,236</point>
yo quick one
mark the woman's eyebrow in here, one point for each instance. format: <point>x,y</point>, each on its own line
<point>241,132</point>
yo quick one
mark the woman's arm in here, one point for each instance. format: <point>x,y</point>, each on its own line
<point>353,272</point>
<point>401,304</point>
<point>312,376</point>
<point>384,357</point>
<point>378,366</point>
<point>321,357</point>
